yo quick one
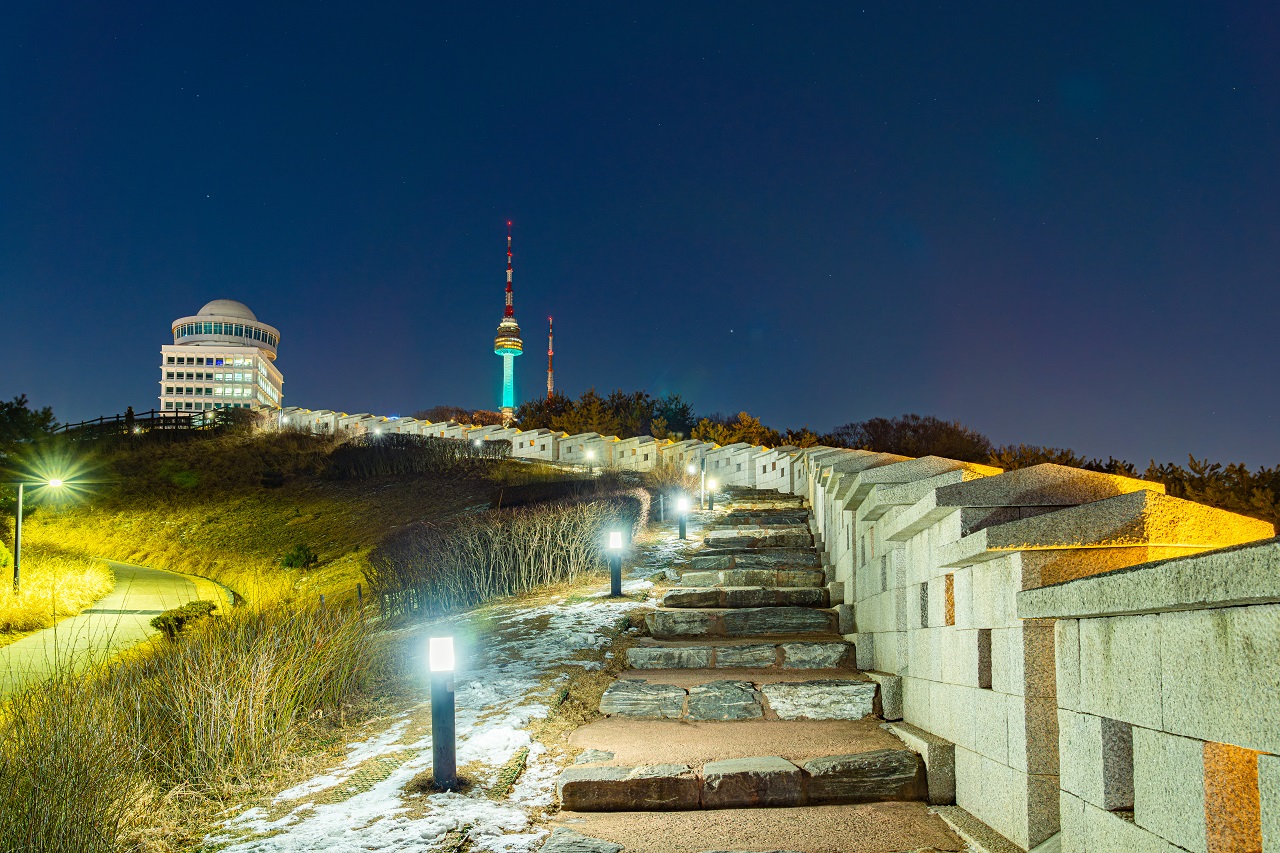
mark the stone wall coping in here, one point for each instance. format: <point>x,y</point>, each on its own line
<point>1228,577</point>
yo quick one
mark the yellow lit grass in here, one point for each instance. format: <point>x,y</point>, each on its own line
<point>56,583</point>
<point>166,735</point>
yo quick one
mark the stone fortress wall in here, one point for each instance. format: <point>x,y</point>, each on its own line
<point>1083,662</point>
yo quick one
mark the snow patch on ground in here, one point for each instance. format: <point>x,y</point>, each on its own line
<point>495,702</point>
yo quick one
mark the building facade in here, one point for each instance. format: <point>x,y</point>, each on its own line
<point>222,357</point>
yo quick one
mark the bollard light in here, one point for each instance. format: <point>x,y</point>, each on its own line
<point>682,506</point>
<point>711,495</point>
<point>615,563</point>
<point>591,454</point>
<point>691,470</point>
<point>477,442</point>
<point>444,747</point>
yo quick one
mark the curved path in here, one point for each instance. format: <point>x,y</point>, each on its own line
<point>119,620</point>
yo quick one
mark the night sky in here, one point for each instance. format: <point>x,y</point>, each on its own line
<point>1058,225</point>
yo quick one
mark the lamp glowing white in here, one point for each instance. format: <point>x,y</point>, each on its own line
<point>691,469</point>
<point>615,540</point>
<point>440,654</point>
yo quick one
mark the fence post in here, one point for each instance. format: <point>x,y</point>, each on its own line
<point>360,599</point>
<point>322,601</point>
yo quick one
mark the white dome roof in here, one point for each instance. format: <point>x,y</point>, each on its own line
<point>227,308</point>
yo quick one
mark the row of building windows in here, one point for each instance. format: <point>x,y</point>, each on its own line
<point>236,330</point>
<point>214,377</point>
<point>212,361</point>
<point>178,391</point>
<point>192,407</point>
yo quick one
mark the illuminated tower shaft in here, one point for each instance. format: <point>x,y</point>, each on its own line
<point>507,344</point>
<point>551,377</point>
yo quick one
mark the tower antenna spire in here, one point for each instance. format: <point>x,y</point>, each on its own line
<point>551,376</point>
<point>507,345</point>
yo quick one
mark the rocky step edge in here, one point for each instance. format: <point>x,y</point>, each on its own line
<point>767,781</point>
<point>781,654</point>
<point>743,622</point>
<point>726,700</point>
<point>754,577</point>
<point>746,596</point>
<point>758,539</point>
<point>711,559</point>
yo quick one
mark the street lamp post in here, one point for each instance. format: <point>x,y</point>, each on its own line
<point>615,563</point>
<point>711,495</point>
<point>591,468</point>
<point>444,748</point>
<point>17,531</point>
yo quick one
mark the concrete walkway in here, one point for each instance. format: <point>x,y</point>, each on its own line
<point>118,621</point>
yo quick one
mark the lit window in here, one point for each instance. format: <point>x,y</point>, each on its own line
<point>168,374</point>
<point>218,362</point>
<point>217,328</point>
<point>239,332</point>
<point>168,389</point>
<point>168,404</point>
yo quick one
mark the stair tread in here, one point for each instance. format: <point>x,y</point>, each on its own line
<point>636,742</point>
<point>864,828</point>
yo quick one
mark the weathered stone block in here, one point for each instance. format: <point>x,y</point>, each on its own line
<point>751,782</point>
<point>890,693</point>
<point>706,564</point>
<point>1066,644</point>
<point>751,657</point>
<point>1096,760</point>
<point>643,700</point>
<point>668,624</point>
<point>801,577</point>
<point>591,756</point>
<point>1168,787</point>
<point>815,655</point>
<point>939,757</point>
<point>1203,652</point>
<point>867,777</point>
<point>1269,793</point>
<point>1103,830</point>
<point>649,787</point>
<point>724,700</point>
<point>776,620</point>
<point>693,597</point>
<point>1120,669</point>
<point>567,841</point>
<point>663,657</point>
<point>699,579</point>
<point>846,620</point>
<point>821,700</point>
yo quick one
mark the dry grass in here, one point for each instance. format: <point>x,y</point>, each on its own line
<point>55,584</point>
<point>97,762</point>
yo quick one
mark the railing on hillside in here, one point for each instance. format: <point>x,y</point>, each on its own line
<point>153,420</point>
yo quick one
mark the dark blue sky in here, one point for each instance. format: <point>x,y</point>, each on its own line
<point>1059,225</point>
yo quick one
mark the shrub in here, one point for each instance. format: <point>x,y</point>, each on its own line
<point>430,569</point>
<point>389,455</point>
<point>171,622</point>
<point>299,557</point>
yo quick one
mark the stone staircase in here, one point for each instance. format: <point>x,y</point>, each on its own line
<point>744,695</point>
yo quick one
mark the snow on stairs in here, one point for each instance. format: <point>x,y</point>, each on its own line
<point>745,693</point>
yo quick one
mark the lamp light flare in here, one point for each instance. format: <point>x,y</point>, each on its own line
<point>615,540</point>
<point>682,504</point>
<point>440,654</point>
<point>711,484</point>
<point>692,469</point>
<point>55,482</point>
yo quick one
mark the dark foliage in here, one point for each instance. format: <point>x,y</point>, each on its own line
<point>915,435</point>
<point>390,455</point>
<point>299,557</point>
<point>172,622</point>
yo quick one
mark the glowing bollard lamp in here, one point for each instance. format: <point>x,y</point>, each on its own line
<point>682,506</point>
<point>444,747</point>
<point>17,528</point>
<point>591,465</point>
<point>615,563</point>
<point>711,495</point>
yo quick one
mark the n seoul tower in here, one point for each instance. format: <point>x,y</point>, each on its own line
<point>507,344</point>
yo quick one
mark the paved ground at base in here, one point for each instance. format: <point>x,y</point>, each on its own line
<point>873,828</point>
<point>120,620</point>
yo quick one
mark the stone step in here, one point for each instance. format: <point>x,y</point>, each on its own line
<point>823,653</point>
<point>764,519</point>
<point>759,538</point>
<point>723,700</point>
<point>744,622</point>
<point>750,558</point>
<point>858,828</point>
<point>754,577</point>
<point>747,596</point>
<point>770,781</point>
<point>759,528</point>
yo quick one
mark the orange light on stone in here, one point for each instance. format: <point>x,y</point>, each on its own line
<point>1232,802</point>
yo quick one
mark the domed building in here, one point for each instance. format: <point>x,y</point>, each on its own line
<point>222,357</point>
